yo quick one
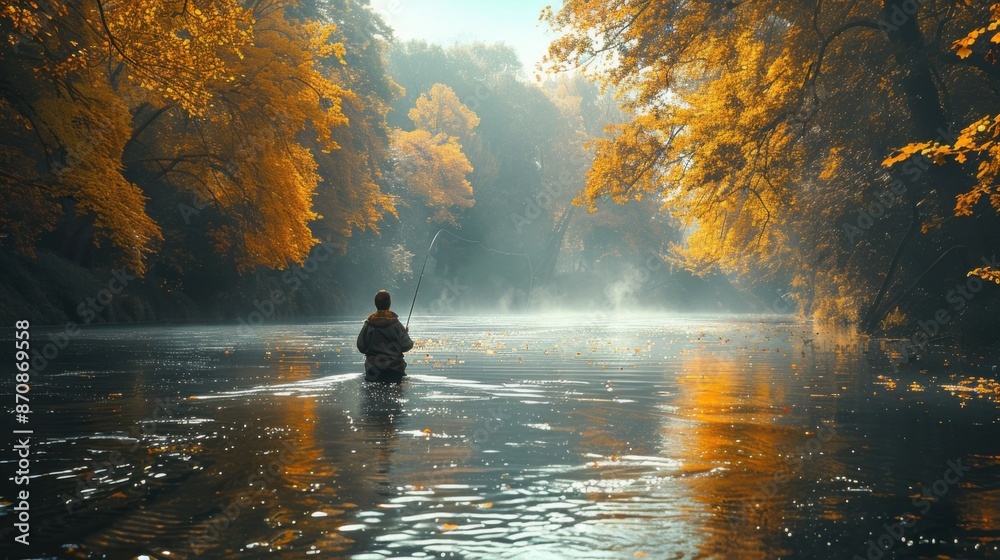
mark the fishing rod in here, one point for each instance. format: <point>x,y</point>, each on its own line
<point>531,271</point>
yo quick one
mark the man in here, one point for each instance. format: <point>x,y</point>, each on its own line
<point>382,340</point>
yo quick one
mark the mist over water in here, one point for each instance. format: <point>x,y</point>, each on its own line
<point>547,436</point>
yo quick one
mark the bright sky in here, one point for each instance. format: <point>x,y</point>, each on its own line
<point>446,22</point>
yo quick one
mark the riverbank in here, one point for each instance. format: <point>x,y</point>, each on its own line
<point>50,290</point>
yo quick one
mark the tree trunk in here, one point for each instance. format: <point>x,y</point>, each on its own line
<point>929,122</point>
<point>547,267</point>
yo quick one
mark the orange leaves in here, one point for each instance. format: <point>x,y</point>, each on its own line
<point>178,52</point>
<point>987,273</point>
<point>320,41</point>
<point>709,134</point>
<point>429,160</point>
<point>975,140</point>
<point>29,20</point>
<point>905,153</point>
<point>129,106</point>
<point>434,168</point>
<point>95,135</point>
<point>266,94</point>
<point>966,202</point>
<point>963,46</point>
<point>440,111</point>
<point>225,99</point>
<point>629,163</point>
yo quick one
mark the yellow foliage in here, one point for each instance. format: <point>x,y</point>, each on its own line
<point>176,50</point>
<point>963,46</point>
<point>95,134</point>
<point>977,141</point>
<point>759,125</point>
<point>430,162</point>
<point>987,273</point>
<point>440,111</point>
<point>220,98</point>
<point>713,147</point>
<point>250,162</point>
<point>434,168</point>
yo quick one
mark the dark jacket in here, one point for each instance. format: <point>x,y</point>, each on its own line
<point>383,339</point>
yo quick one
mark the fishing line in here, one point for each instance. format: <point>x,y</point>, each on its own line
<point>531,270</point>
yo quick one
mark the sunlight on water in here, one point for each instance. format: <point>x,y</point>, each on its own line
<point>512,437</point>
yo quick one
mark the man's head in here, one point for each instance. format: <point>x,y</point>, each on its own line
<point>382,300</point>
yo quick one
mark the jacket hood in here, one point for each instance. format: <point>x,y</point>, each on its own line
<point>382,319</point>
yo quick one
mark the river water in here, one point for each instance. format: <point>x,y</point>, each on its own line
<point>513,437</point>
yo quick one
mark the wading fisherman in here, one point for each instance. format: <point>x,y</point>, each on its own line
<point>382,340</point>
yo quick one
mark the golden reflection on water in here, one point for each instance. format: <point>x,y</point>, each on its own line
<point>737,413</point>
<point>978,507</point>
<point>311,469</point>
<point>727,421</point>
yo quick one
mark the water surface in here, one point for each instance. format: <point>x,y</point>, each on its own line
<point>513,437</point>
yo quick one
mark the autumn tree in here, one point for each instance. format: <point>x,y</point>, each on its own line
<point>527,152</point>
<point>351,197</point>
<point>430,163</point>
<point>232,103</point>
<point>976,144</point>
<point>439,111</point>
<point>68,128</point>
<point>763,125</point>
